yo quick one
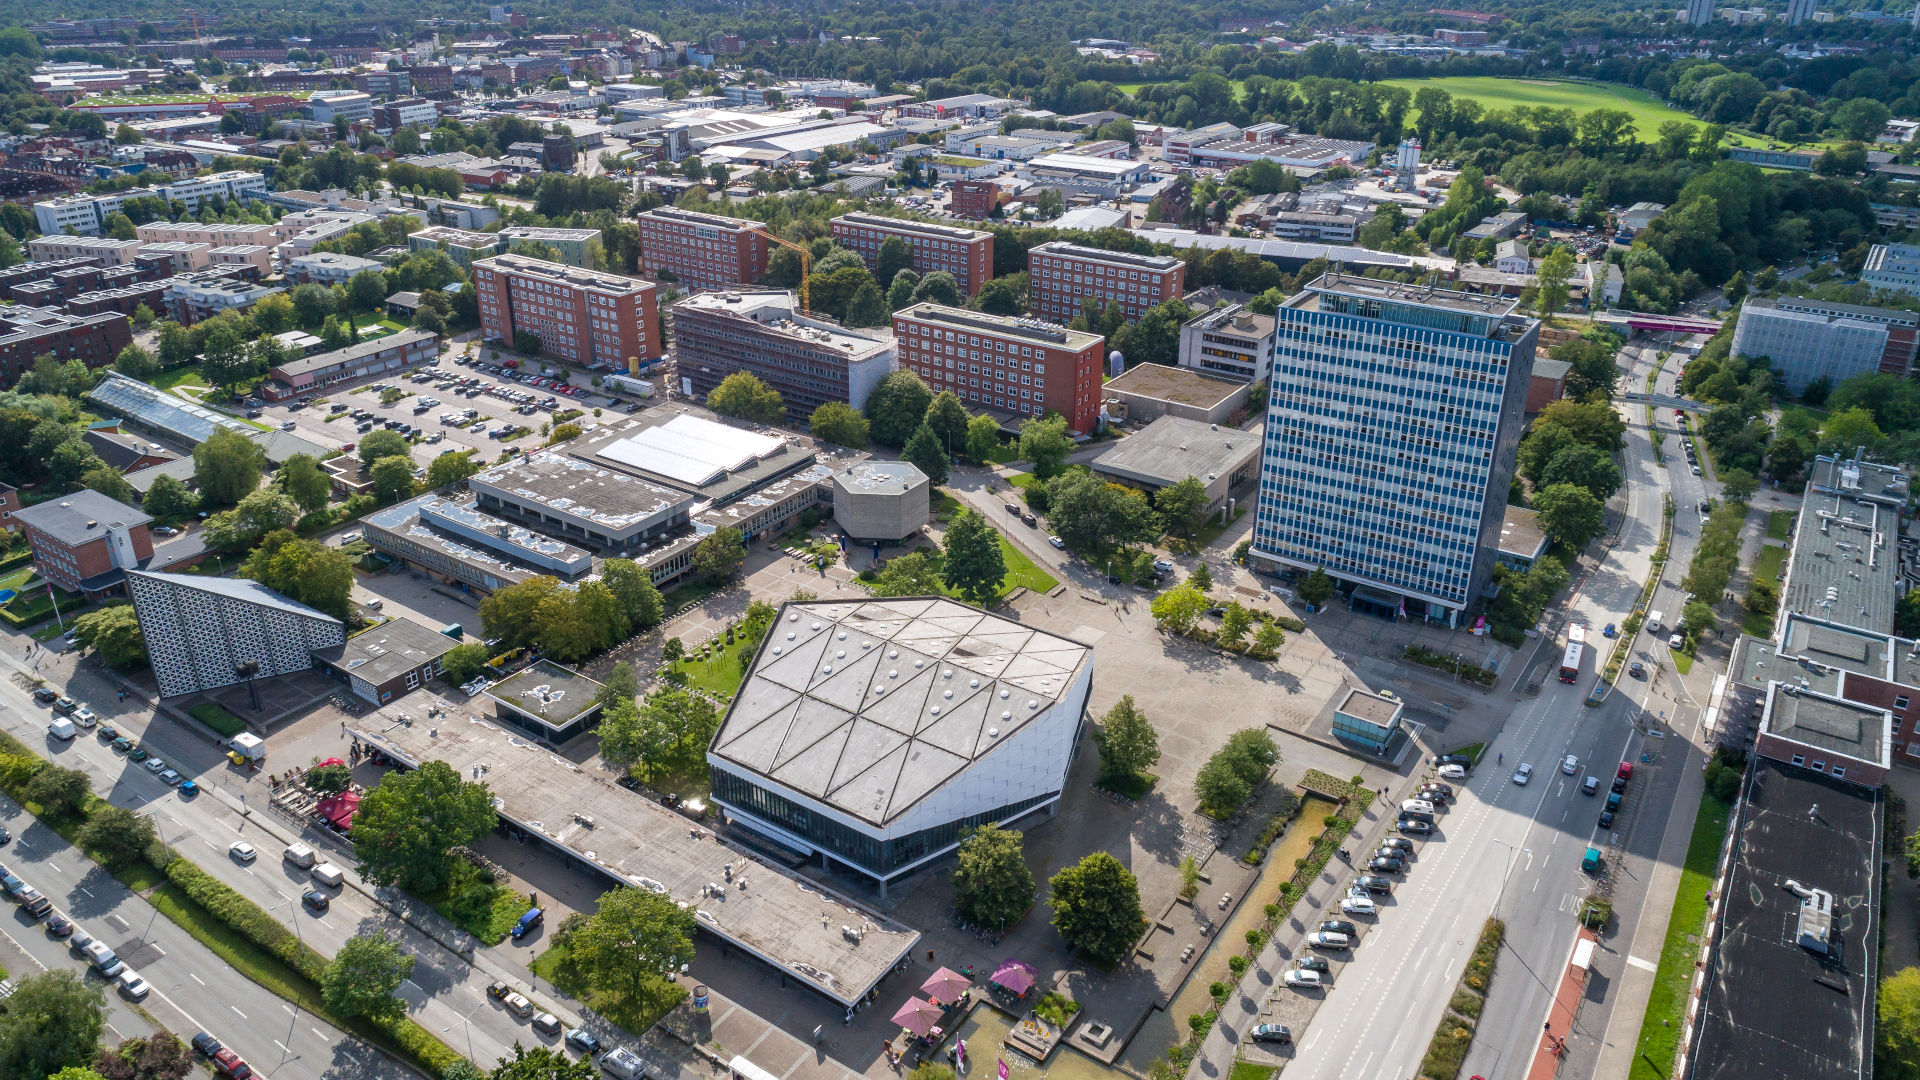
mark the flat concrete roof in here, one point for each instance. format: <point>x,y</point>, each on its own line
<point>880,477</point>
<point>1845,554</point>
<point>1772,1007</point>
<point>543,689</point>
<point>789,922</point>
<point>1172,448</point>
<point>1828,724</point>
<point>1520,533</point>
<point>387,651</point>
<point>580,490</point>
<point>1370,707</point>
<point>1182,386</point>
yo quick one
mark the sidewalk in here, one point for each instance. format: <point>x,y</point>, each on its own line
<point>1566,1006</point>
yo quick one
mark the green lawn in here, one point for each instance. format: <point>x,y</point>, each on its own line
<point>1780,525</point>
<point>218,718</point>
<point>1023,571</point>
<point>1649,112</point>
<point>1768,565</point>
<point>481,908</point>
<point>719,675</point>
<point>185,375</point>
<point>1023,481</point>
<point>1660,1026</point>
<point>1247,1070</point>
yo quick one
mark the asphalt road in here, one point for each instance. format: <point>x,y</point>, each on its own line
<point>446,994</point>
<point>193,989</point>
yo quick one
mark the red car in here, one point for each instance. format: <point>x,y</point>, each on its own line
<point>1625,771</point>
<point>230,1065</point>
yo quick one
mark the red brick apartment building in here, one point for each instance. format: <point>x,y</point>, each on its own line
<point>967,254</point>
<point>86,542</point>
<point>1062,274</point>
<point>704,251</point>
<point>29,332</point>
<point>581,315</point>
<point>1013,367</point>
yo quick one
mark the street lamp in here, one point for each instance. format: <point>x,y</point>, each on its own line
<point>1512,854</point>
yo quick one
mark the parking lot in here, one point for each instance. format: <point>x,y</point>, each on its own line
<point>458,403</point>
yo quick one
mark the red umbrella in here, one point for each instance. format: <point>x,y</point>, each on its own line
<point>917,1016</point>
<point>1016,975</point>
<point>945,985</point>
<point>330,761</point>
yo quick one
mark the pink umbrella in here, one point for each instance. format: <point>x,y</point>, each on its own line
<point>945,985</point>
<point>1017,976</point>
<point>917,1016</point>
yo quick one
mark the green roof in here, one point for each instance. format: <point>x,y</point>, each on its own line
<point>120,100</point>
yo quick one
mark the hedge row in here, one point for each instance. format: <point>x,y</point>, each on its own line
<point>245,917</point>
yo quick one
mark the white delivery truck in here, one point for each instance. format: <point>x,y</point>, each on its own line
<point>62,729</point>
<point>1653,620</point>
<point>246,748</point>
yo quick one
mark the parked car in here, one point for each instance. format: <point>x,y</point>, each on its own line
<point>1625,770</point>
<point>1397,843</point>
<point>59,926</point>
<point>1312,962</point>
<point>517,1004</point>
<point>132,985</point>
<point>1606,819</point>
<point>231,1065</point>
<point>1374,883</point>
<point>546,1024</point>
<point>1386,864</point>
<point>1327,939</point>
<point>1271,1033</point>
<point>1305,979</point>
<point>1441,760</point>
<point>315,899</point>
<point>206,1044</point>
<point>108,732</point>
<point>1454,772</point>
<point>1678,640</point>
<point>1358,905</point>
<point>1413,825</point>
<point>1619,784</point>
<point>498,990</point>
<point>45,696</point>
<point>1340,926</point>
<point>1637,670</point>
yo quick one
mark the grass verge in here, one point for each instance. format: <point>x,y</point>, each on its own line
<point>1247,1070</point>
<point>1454,1037</point>
<point>218,718</point>
<point>1660,1025</point>
<point>1780,525</point>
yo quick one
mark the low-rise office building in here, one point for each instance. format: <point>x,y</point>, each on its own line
<point>86,542</point>
<point>461,246</point>
<point>1146,392</point>
<point>1085,174</point>
<point>544,700</point>
<point>1895,267</point>
<point>592,506</point>
<point>391,660</point>
<point>309,374</point>
<point>328,268</point>
<point>1808,340</point>
<point>881,502</point>
<point>1016,367</point>
<point>1064,275</point>
<point>462,547</point>
<point>572,245</point>
<point>1173,448</point>
<point>702,251</point>
<point>967,254</point>
<point>1232,342</point>
<point>810,361</point>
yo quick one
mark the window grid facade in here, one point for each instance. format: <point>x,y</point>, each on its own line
<point>578,315</point>
<point>704,251</point>
<point>1389,444</point>
<point>1027,369</point>
<point>1063,275</point>
<point>967,254</point>
<point>196,638</point>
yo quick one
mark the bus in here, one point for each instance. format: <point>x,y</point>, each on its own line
<point>1576,650</point>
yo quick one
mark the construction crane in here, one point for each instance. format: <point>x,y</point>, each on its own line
<point>806,267</point>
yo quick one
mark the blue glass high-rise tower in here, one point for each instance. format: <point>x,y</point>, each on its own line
<point>1391,426</point>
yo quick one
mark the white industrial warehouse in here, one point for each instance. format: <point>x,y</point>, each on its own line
<point>873,734</point>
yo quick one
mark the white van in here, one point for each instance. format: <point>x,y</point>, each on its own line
<point>1653,620</point>
<point>623,1063</point>
<point>299,855</point>
<point>328,874</point>
<point>102,959</point>
<point>1416,806</point>
<point>62,729</point>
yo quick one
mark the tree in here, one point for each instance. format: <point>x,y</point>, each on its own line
<point>1091,515</point>
<point>983,437</point>
<point>328,779</point>
<point>381,443</point>
<point>108,481</point>
<point>117,836</point>
<point>1182,505</point>
<point>304,482</point>
<point>52,1022</point>
<point>867,307</point>
<point>1128,744</point>
<point>58,791</point>
<point>923,451</point>
<point>1268,638</point>
<point>159,1056</point>
<point>948,418</point>
<point>511,613</point>
<point>1737,485</point>
<point>563,432</point>
<point>893,257</point>
<point>227,467</point>
<point>744,396</point>
<point>1586,466</point>
<point>308,571</point>
<point>975,566</point>
<point>912,574</point>
<point>1178,607</point>
<point>1227,778</point>
<point>464,661</point>
<point>136,362</point>
<point>1554,271</point>
<point>114,633</point>
<point>170,501</point>
<point>407,826</point>
<point>254,517</point>
<point>451,468</point>
<point>1096,907</point>
<point>392,476</point>
<point>937,287</point>
<point>991,883</point>
<point>1003,295</point>
<point>1593,366</point>
<point>539,1063</point>
<point>720,555</point>
<point>1317,589</point>
<point>897,407</point>
<point>634,939</point>
<point>225,360</point>
<point>839,423</point>
<point>900,293</point>
<point>1201,578</point>
<point>1897,1057</point>
<point>633,587</point>
<point>363,976</point>
<point>1850,427</point>
<point>1569,513</point>
<point>1235,621</point>
<point>1050,204</point>
<point>1044,443</point>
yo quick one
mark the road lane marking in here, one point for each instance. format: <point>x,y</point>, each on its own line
<point>282,1046</point>
<point>1644,965</point>
<point>288,1011</point>
<point>156,949</point>
<point>316,1031</point>
<point>237,1012</point>
<point>196,978</point>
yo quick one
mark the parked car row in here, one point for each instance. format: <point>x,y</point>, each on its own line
<point>619,1061</point>
<point>95,952</point>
